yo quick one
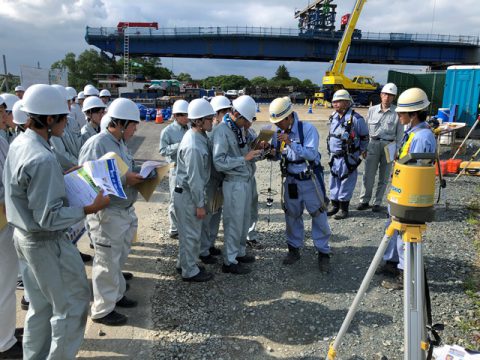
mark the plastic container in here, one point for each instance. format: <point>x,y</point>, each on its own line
<point>444,114</point>
<point>443,166</point>
<point>453,166</point>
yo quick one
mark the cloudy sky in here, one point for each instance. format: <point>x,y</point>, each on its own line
<point>43,31</point>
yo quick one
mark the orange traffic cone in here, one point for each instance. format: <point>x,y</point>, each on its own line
<point>159,117</point>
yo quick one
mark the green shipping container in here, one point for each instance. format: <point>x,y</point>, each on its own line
<point>433,83</point>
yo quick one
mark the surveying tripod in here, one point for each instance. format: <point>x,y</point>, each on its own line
<point>416,342</point>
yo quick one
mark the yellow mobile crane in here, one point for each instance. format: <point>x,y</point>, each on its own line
<point>363,89</point>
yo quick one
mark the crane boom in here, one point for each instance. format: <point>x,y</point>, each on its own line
<point>340,61</point>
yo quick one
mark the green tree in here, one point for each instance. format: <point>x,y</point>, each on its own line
<point>259,81</point>
<point>226,82</point>
<point>282,73</point>
<point>184,77</point>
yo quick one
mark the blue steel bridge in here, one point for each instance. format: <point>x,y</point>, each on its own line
<point>262,43</point>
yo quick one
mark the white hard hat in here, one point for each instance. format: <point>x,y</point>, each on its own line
<point>279,109</point>
<point>341,94</point>
<point>413,99</point>
<point>62,90</point>
<point>93,102</point>
<point>199,108</point>
<point>41,99</point>
<point>81,95</point>
<point>19,116</point>
<point>105,92</point>
<point>72,93</point>
<point>9,100</point>
<point>19,88</point>
<point>180,107</point>
<point>123,109</point>
<point>220,102</point>
<point>246,106</point>
<point>104,122</point>
<point>90,90</point>
<point>390,88</point>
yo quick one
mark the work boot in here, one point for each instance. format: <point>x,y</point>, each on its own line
<point>85,257</point>
<point>127,275</point>
<point>15,352</point>
<point>363,206</point>
<point>112,319</point>
<point>376,208</point>
<point>334,209</point>
<point>215,251</point>
<point>389,269</point>
<point>173,234</point>
<point>24,304</point>
<point>343,214</point>
<point>292,257</point>
<point>202,276</point>
<point>246,259</point>
<point>208,259</point>
<point>324,262</point>
<point>395,283</point>
<point>126,302</point>
<point>236,269</point>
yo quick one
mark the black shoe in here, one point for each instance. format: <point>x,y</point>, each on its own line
<point>376,208</point>
<point>389,269</point>
<point>395,283</point>
<point>85,257</point>
<point>127,287</point>
<point>127,275</point>
<point>15,352</point>
<point>246,259</point>
<point>236,269</point>
<point>343,214</point>
<point>254,244</point>
<point>202,276</point>
<point>363,206</point>
<point>20,285</point>
<point>18,332</point>
<point>173,234</point>
<point>334,209</point>
<point>292,257</point>
<point>112,319</point>
<point>179,270</point>
<point>209,259</point>
<point>215,251</point>
<point>324,262</point>
<point>24,304</point>
<point>126,302</point>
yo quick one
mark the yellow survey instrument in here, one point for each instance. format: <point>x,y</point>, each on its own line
<point>412,192</point>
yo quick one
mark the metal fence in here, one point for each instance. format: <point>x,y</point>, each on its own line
<point>264,31</point>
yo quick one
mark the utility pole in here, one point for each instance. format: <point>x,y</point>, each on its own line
<point>5,71</point>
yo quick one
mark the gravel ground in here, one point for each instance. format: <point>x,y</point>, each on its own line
<point>294,312</point>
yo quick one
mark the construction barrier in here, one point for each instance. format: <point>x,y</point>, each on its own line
<point>159,117</point>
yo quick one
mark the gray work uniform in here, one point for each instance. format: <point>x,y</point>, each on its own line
<point>228,158</point>
<point>79,119</point>
<point>88,131</point>
<point>55,277</point>
<point>67,147</point>
<point>252,229</point>
<point>214,215</point>
<point>193,172</point>
<point>383,128</point>
<point>111,229</point>
<point>8,262</point>
<point>169,141</point>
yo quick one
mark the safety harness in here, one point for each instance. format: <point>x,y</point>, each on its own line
<point>348,137</point>
<point>317,169</point>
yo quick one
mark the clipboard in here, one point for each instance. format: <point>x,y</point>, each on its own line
<point>3,217</point>
<point>147,187</point>
<point>264,135</point>
<point>390,151</point>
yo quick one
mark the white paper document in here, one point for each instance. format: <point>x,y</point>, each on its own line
<point>83,185</point>
<point>149,165</point>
